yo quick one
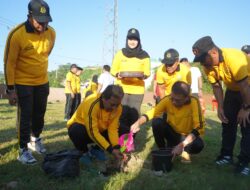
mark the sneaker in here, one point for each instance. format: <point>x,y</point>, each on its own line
<point>224,160</point>
<point>36,145</point>
<point>242,169</point>
<point>185,157</point>
<point>85,159</point>
<point>26,157</point>
<point>158,173</point>
<point>98,154</point>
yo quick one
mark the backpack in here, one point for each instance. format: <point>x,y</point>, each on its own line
<point>64,163</point>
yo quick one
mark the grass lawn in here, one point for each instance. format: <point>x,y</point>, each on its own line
<point>201,174</point>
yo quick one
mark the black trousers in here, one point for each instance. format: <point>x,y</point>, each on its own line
<point>69,106</point>
<point>162,130</point>
<point>80,138</point>
<point>131,106</point>
<point>32,103</point>
<point>231,105</point>
<point>77,101</point>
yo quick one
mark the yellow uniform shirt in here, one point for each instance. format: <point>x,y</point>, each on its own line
<point>234,67</point>
<point>96,120</point>
<point>184,119</point>
<point>181,74</point>
<point>78,84</point>
<point>70,77</point>
<point>26,55</point>
<point>93,87</point>
<point>121,63</point>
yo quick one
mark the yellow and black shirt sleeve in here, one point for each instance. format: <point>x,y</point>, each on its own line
<point>115,68</point>
<point>92,126</point>
<point>113,128</point>
<point>11,54</point>
<point>158,110</point>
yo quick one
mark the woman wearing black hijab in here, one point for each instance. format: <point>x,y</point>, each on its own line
<point>131,65</point>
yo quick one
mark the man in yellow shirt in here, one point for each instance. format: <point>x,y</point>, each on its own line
<point>231,66</point>
<point>70,92</point>
<point>25,64</point>
<point>170,72</point>
<point>78,97</point>
<point>96,121</point>
<point>184,125</point>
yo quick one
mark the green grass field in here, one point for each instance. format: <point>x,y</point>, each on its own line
<point>201,174</point>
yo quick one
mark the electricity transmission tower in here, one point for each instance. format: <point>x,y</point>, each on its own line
<point>110,32</point>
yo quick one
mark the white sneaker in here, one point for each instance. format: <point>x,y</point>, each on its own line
<point>26,157</point>
<point>158,173</point>
<point>36,145</point>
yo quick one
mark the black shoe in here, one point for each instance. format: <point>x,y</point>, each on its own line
<point>242,169</point>
<point>224,160</point>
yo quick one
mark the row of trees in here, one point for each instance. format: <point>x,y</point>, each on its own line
<point>57,77</point>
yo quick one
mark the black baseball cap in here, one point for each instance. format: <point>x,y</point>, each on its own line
<point>133,33</point>
<point>170,57</point>
<point>79,68</point>
<point>201,48</point>
<point>246,49</point>
<point>39,10</point>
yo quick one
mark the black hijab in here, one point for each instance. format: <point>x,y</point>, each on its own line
<point>137,52</point>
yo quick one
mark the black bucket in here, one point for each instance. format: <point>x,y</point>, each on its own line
<point>162,160</point>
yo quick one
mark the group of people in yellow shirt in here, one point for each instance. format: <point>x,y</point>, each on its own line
<point>72,91</point>
<point>102,118</point>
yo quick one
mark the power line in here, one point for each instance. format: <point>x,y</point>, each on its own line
<point>76,58</point>
<point>110,31</point>
<point>8,20</point>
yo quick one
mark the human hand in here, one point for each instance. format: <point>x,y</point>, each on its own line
<point>221,115</point>
<point>119,76</point>
<point>12,97</point>
<point>177,150</point>
<point>72,95</point>
<point>135,127</point>
<point>243,117</point>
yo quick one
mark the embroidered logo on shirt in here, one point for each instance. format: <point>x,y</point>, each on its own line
<point>29,47</point>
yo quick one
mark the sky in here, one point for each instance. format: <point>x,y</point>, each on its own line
<point>83,26</point>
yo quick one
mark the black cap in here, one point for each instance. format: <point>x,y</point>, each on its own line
<point>133,33</point>
<point>39,10</point>
<point>201,48</point>
<point>73,66</point>
<point>79,68</point>
<point>246,49</point>
<point>170,57</point>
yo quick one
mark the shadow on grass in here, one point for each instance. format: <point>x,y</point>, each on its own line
<point>33,177</point>
<point>49,132</point>
<point>202,173</point>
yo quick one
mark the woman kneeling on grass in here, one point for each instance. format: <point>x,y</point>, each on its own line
<point>184,125</point>
<point>96,120</point>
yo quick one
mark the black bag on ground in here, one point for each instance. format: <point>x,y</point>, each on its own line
<point>64,163</point>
